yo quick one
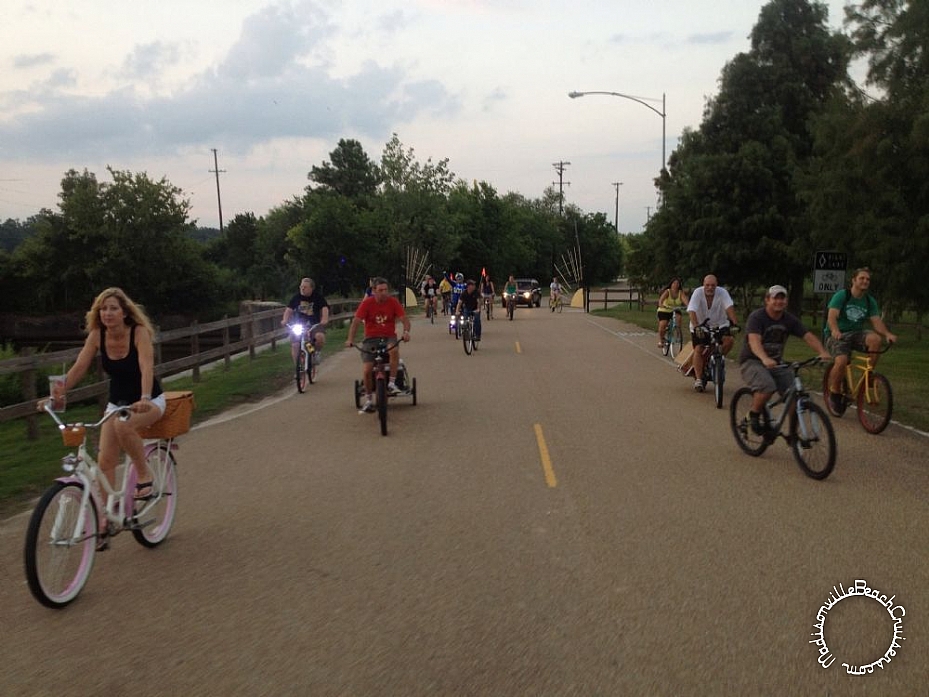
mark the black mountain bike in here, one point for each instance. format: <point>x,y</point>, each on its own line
<point>808,431</point>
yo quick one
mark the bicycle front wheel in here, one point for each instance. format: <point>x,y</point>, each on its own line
<point>752,443</point>
<point>510,308</point>
<point>719,377</point>
<point>301,376</point>
<point>312,363</point>
<point>466,339</point>
<point>812,439</point>
<point>381,392</point>
<point>155,517</point>
<point>677,340</point>
<point>875,403</point>
<point>58,562</point>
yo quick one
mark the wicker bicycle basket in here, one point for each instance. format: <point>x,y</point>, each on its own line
<point>73,435</point>
<point>176,419</point>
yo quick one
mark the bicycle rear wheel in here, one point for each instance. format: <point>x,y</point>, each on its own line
<point>153,522</point>
<point>57,564</point>
<point>812,439</point>
<point>301,376</point>
<point>510,309</point>
<point>752,443</point>
<point>381,392</point>
<point>875,403</point>
<point>666,348</point>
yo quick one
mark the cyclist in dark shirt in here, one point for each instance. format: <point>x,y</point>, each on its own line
<point>766,332</point>
<point>470,302</point>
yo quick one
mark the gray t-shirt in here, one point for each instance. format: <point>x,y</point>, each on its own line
<point>774,333</point>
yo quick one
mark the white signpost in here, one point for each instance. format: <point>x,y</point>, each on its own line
<point>829,272</point>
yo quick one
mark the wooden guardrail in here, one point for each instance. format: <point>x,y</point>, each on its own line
<point>254,329</point>
<point>603,298</point>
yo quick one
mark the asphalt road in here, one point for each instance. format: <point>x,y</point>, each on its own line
<point>558,515</point>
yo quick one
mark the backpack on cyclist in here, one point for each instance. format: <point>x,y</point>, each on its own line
<point>825,331</point>
<point>848,295</point>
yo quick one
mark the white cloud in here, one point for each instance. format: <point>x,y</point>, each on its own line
<point>274,85</point>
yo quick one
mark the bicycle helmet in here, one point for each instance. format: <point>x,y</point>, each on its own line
<point>470,282</point>
<point>459,276</point>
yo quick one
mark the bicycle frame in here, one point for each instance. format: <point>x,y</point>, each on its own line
<point>83,468</point>
<point>859,363</point>
<point>863,385</point>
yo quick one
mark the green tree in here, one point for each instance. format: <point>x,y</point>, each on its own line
<point>870,188</point>
<point>730,200</point>
<point>350,173</point>
<point>128,233</point>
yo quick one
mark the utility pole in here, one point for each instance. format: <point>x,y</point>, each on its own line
<point>648,213</point>
<point>219,201</point>
<point>560,167</point>
<point>616,185</point>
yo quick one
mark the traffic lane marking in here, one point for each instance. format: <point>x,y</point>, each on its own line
<point>546,459</point>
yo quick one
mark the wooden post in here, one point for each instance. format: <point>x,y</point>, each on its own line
<point>195,350</point>
<point>227,359</point>
<point>251,333</point>
<point>29,395</point>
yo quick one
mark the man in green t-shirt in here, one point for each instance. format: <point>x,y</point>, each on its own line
<point>848,310</point>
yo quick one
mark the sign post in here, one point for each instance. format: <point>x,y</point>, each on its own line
<point>829,272</point>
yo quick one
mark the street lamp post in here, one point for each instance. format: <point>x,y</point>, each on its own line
<point>641,100</point>
<point>616,186</point>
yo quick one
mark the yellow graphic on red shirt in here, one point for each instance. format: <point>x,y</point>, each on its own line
<point>380,319</point>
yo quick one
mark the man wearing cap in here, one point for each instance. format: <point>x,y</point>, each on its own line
<point>470,302</point>
<point>715,304</point>
<point>766,332</point>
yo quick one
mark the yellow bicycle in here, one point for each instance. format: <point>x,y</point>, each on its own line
<point>868,390</point>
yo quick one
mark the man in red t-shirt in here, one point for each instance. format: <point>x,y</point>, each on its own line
<point>379,313</point>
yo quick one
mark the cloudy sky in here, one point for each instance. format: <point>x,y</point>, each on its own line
<point>273,85</point>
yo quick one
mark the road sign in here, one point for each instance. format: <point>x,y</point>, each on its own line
<point>829,272</point>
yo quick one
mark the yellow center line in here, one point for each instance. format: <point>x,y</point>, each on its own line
<point>546,460</point>
<point>518,348</point>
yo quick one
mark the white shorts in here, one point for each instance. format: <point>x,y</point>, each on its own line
<point>157,402</point>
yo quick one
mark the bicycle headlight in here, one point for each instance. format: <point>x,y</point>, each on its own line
<point>297,329</point>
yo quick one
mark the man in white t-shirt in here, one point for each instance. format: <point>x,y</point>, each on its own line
<point>714,303</point>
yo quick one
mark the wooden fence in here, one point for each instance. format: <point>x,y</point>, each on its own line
<point>228,336</point>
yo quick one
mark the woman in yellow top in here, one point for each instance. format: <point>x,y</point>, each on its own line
<point>672,299</point>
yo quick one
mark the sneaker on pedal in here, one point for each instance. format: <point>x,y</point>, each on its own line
<point>367,407</point>
<point>392,389</point>
<point>699,385</point>
<point>758,428</point>
<point>836,404</point>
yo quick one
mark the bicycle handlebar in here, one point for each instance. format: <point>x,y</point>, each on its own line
<point>123,412</point>
<point>389,345</point>
<point>798,365</point>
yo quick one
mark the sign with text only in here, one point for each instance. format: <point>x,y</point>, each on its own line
<point>829,272</point>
